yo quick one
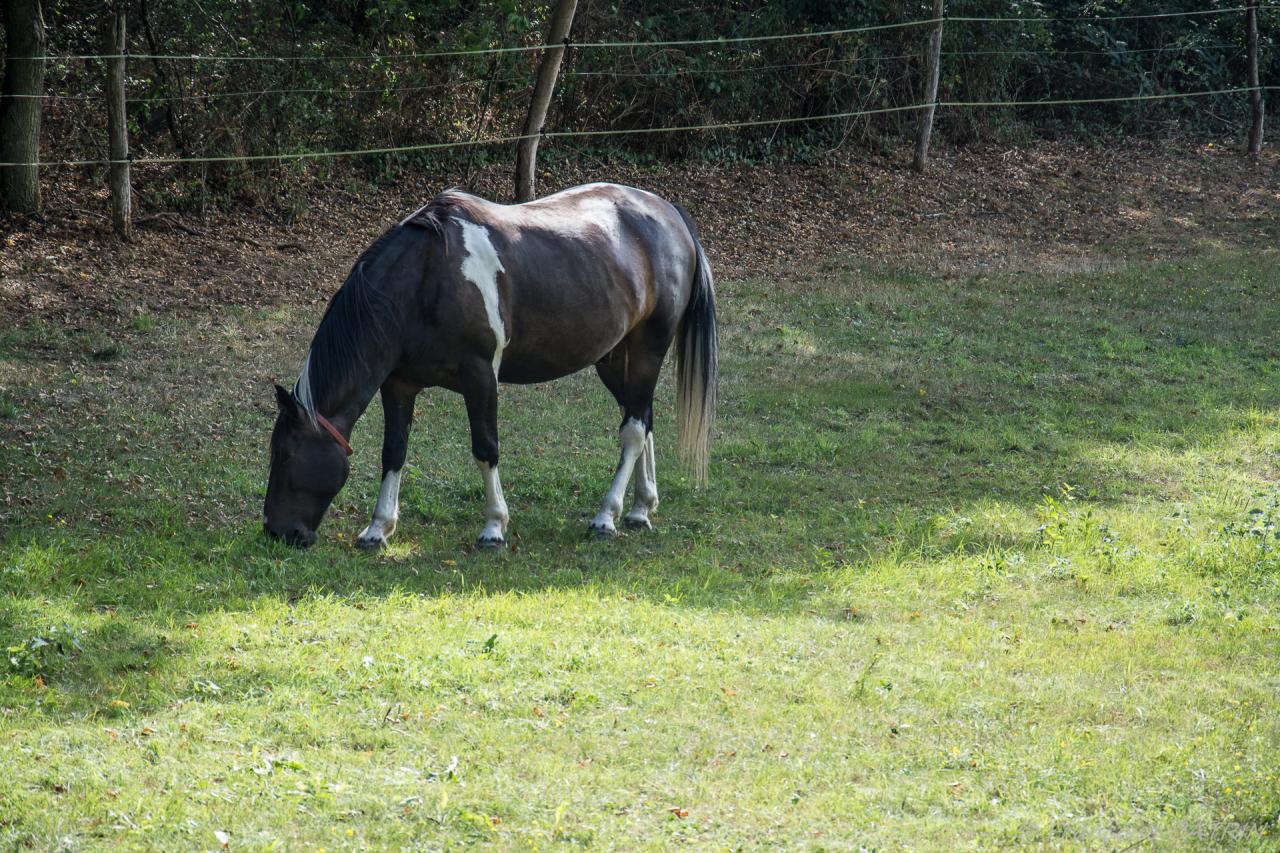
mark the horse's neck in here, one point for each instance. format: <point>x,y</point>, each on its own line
<point>343,401</point>
<point>359,338</point>
<point>348,408</point>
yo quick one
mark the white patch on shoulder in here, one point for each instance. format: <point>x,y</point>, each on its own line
<point>481,268</point>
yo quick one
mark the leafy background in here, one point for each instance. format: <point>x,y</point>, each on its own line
<point>375,96</point>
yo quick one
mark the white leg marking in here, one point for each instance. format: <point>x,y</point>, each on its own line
<point>385,513</point>
<point>632,438</point>
<point>495,508</point>
<point>481,268</point>
<point>646,488</point>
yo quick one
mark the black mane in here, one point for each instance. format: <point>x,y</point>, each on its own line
<point>434,215</point>
<point>362,316</point>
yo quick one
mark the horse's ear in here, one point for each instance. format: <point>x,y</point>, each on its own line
<point>288,405</point>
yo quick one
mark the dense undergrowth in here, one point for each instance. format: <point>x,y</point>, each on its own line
<point>350,75</point>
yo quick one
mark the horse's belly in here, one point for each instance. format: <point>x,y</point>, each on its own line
<point>527,374</point>
<point>544,357</point>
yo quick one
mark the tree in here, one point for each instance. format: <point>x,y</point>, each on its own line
<point>20,105</point>
<point>544,86</point>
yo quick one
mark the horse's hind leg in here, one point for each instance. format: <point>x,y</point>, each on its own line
<point>646,488</point>
<point>631,378</point>
<point>632,438</point>
<point>480,390</point>
<point>397,408</point>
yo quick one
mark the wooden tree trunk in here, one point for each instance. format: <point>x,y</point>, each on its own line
<point>933,69</point>
<point>552,53</point>
<point>1259,110</point>
<point>20,105</point>
<point>117,126</point>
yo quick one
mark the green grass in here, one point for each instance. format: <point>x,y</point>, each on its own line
<point>983,563</point>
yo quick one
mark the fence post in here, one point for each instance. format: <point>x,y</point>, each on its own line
<point>1255,131</point>
<point>932,70</point>
<point>552,53</point>
<point>117,125</point>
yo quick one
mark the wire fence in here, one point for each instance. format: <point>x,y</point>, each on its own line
<point>828,64</point>
<point>726,69</point>
<point>720,40</point>
<point>586,134</point>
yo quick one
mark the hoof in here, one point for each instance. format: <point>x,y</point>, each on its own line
<point>490,543</point>
<point>637,522</point>
<point>602,532</point>
<point>371,543</point>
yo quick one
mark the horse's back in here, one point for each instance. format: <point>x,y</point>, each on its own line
<point>609,220</point>
<point>579,271</point>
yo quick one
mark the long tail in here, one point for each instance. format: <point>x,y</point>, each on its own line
<point>697,357</point>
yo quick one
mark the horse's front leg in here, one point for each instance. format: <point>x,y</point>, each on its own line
<point>397,408</point>
<point>480,390</point>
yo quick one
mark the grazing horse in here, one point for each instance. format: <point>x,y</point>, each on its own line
<point>464,294</point>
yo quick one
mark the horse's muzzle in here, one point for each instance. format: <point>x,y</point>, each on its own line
<point>296,535</point>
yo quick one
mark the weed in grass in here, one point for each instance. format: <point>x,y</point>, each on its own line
<point>1055,517</point>
<point>144,323</point>
<point>1184,614</point>
<point>1261,528</point>
<point>40,654</point>
<point>105,351</point>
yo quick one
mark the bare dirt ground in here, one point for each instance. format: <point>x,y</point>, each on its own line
<point>1053,204</point>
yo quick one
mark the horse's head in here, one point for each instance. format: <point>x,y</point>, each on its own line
<point>308,468</point>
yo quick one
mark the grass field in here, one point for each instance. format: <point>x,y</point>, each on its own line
<point>986,562</point>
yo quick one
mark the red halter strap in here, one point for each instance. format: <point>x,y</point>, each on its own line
<point>333,431</point>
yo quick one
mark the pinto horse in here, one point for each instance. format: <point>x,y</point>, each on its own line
<point>464,294</point>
